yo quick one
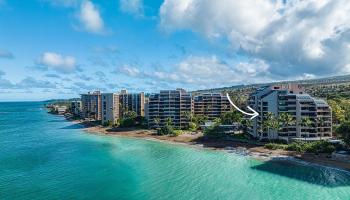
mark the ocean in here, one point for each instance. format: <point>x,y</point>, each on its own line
<point>43,156</point>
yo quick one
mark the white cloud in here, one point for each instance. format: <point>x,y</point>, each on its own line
<point>306,76</point>
<point>90,18</point>
<point>134,7</point>
<point>252,68</point>
<point>30,82</point>
<point>295,38</point>
<point>213,72</point>
<point>204,72</point>
<point>64,64</point>
<point>129,70</point>
<point>214,18</point>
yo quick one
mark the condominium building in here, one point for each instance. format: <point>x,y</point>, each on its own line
<point>91,105</point>
<point>212,105</point>
<point>76,107</point>
<point>290,99</point>
<point>110,108</point>
<point>146,108</point>
<point>169,104</point>
<point>132,102</point>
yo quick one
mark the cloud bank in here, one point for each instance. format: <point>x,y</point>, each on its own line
<point>292,37</point>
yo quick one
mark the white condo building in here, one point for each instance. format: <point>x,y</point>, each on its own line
<point>292,100</point>
<point>110,107</point>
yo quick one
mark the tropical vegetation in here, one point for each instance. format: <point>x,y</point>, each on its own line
<point>321,146</point>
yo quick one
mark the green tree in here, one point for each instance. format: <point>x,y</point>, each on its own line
<point>168,121</point>
<point>344,131</point>
<point>189,116</point>
<point>231,117</point>
<point>246,123</point>
<point>128,119</point>
<point>338,112</point>
<point>306,122</point>
<point>320,123</point>
<point>217,121</point>
<point>200,119</point>
<point>167,129</point>
<point>285,120</point>
<point>156,121</point>
<point>269,122</point>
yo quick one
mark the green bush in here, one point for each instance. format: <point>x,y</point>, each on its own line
<point>274,146</point>
<point>107,123</point>
<point>214,131</point>
<point>127,122</point>
<point>177,132</point>
<point>166,130</point>
<point>344,132</point>
<point>329,149</point>
<point>312,147</point>
<point>295,146</point>
<point>192,126</point>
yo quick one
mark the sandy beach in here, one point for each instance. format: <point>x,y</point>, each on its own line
<point>197,140</point>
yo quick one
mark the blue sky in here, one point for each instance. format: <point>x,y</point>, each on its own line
<point>61,48</point>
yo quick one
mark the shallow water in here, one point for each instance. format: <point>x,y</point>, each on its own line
<point>43,156</point>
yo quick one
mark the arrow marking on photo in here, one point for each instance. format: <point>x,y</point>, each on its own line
<point>254,114</point>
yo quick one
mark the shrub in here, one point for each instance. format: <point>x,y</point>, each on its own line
<point>344,131</point>
<point>214,131</point>
<point>177,132</point>
<point>295,146</point>
<point>107,123</point>
<point>127,122</point>
<point>329,149</point>
<point>274,146</point>
<point>312,147</point>
<point>192,126</point>
<point>166,130</point>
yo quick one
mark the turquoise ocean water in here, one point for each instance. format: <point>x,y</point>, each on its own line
<point>43,156</point>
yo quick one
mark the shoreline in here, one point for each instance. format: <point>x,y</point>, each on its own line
<point>197,141</point>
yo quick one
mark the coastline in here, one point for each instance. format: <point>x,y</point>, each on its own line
<point>197,141</point>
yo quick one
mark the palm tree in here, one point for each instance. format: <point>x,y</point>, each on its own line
<point>247,123</point>
<point>271,122</point>
<point>285,120</point>
<point>168,121</point>
<point>189,115</point>
<point>268,122</point>
<point>156,122</point>
<point>306,122</point>
<point>200,119</point>
<point>320,122</point>
<point>217,121</point>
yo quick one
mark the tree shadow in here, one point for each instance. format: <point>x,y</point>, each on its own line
<point>135,130</point>
<point>312,174</point>
<point>222,143</point>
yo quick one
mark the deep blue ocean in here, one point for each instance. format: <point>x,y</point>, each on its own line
<point>43,156</point>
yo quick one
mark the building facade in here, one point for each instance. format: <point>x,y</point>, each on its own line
<point>110,108</point>
<point>212,105</point>
<point>91,105</point>
<point>132,102</point>
<point>292,100</point>
<point>169,104</point>
<point>76,107</point>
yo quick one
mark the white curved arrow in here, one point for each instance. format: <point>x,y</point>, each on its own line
<point>254,114</point>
